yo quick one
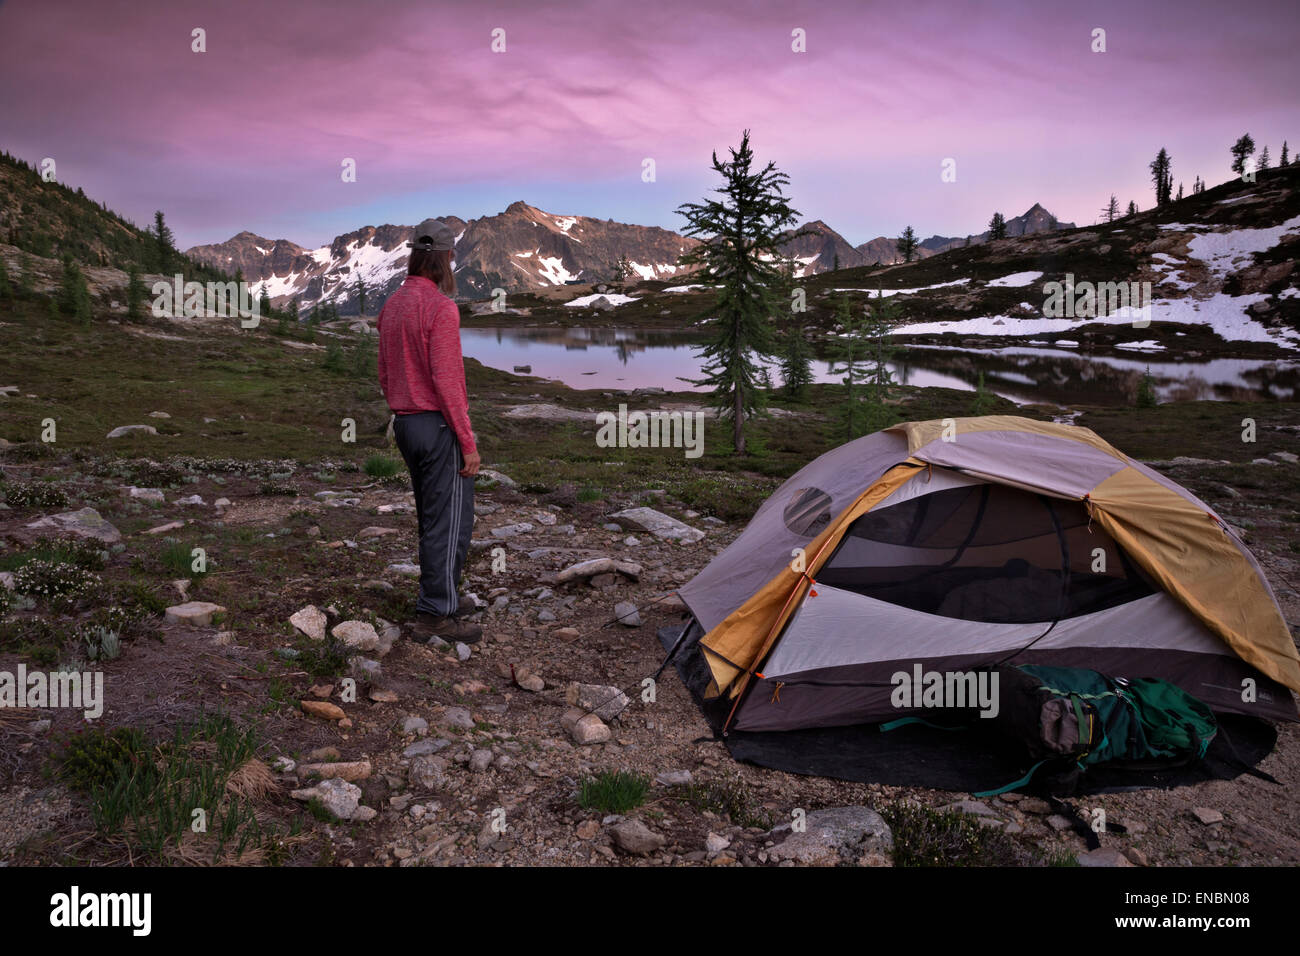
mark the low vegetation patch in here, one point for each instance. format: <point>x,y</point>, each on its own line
<point>924,836</point>
<point>613,791</point>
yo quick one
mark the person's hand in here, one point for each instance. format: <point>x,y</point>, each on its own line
<point>472,462</point>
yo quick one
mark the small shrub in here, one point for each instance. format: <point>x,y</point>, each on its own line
<point>90,757</point>
<point>730,798</point>
<point>33,494</point>
<point>382,466</point>
<point>924,836</point>
<point>55,582</point>
<point>277,488</point>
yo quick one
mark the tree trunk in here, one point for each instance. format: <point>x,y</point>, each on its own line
<point>738,426</point>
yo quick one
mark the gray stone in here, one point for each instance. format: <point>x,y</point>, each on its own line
<point>144,494</point>
<point>604,701</point>
<point>123,431</point>
<point>428,772</point>
<point>85,523</point>
<point>634,837</point>
<point>193,613</point>
<point>194,500</point>
<point>1102,856</point>
<point>414,725</point>
<point>480,760</point>
<point>357,634</point>
<point>674,778</point>
<point>457,717</point>
<point>311,621</point>
<point>626,614</point>
<point>337,796</point>
<point>594,566</point>
<point>584,728</point>
<point>422,748</point>
<point>658,524</point>
<point>405,568</point>
<point>838,835</point>
<point>1207,816</point>
<point>463,653</point>
<point>512,530</point>
<point>489,475</point>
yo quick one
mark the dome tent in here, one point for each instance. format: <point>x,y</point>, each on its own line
<point>962,543</point>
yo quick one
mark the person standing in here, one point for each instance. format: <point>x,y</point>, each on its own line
<point>422,374</point>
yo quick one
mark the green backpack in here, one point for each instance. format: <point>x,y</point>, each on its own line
<point>1079,716</point>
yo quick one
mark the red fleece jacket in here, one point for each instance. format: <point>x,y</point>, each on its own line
<point>420,363</point>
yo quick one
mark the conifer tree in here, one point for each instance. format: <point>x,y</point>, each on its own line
<point>907,244</point>
<point>1112,209</point>
<point>1241,149</point>
<point>743,232</point>
<point>1162,176</point>
<point>796,362</point>
<point>1264,161</point>
<point>164,242</point>
<point>135,293</point>
<point>74,294</point>
<point>997,227</point>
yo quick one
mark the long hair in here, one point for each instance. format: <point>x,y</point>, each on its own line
<point>435,266</point>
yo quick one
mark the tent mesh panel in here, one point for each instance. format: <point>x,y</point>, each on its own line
<point>986,553</point>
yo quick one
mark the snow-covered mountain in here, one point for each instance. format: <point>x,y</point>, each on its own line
<point>519,249</point>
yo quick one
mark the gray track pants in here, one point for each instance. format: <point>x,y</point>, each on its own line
<point>444,504</point>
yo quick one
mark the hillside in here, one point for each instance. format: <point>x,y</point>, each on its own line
<point>49,220</point>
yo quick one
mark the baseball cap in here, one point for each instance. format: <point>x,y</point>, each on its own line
<point>438,231</point>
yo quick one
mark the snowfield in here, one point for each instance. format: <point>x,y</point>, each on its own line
<point>1223,314</point>
<point>583,301</point>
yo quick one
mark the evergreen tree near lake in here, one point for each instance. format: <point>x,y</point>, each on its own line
<point>1146,391</point>
<point>796,362</point>
<point>861,353</point>
<point>742,232</point>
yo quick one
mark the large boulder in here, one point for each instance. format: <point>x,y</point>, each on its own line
<point>854,835</point>
<point>658,524</point>
<point>86,523</point>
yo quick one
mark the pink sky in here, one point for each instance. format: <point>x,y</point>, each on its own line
<point>251,134</point>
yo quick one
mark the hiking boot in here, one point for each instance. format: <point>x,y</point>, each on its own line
<point>448,628</point>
